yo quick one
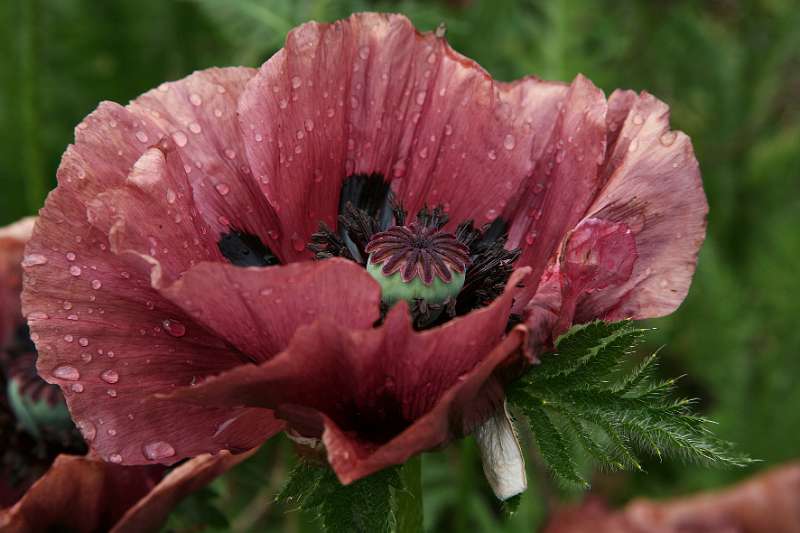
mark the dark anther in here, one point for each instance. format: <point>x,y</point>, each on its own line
<point>326,243</point>
<point>426,315</point>
<point>491,266</point>
<point>246,250</point>
<point>432,218</point>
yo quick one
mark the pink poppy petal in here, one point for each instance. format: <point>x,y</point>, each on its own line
<point>370,94</point>
<point>78,494</point>
<point>258,309</point>
<point>109,339</point>
<point>197,116</point>
<point>151,512</point>
<point>653,186</point>
<point>564,182</point>
<point>379,383</point>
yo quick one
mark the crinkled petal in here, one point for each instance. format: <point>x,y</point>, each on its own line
<point>370,94</point>
<point>79,494</point>
<point>151,512</point>
<point>382,395</point>
<point>105,333</point>
<point>563,182</point>
<point>258,310</point>
<point>653,186</point>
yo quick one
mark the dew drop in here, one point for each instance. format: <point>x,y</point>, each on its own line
<point>69,338</point>
<point>421,97</point>
<point>142,136</point>
<point>87,429</point>
<point>76,387</point>
<point>296,82</point>
<point>34,260</point>
<point>171,196</point>
<point>180,138</point>
<point>634,145</point>
<point>112,393</point>
<point>71,256</point>
<point>363,52</point>
<point>492,155</point>
<point>70,373</point>
<point>509,142</point>
<point>67,305</point>
<point>174,328</point>
<point>96,284</point>
<point>194,127</point>
<point>75,270</point>
<point>195,99</point>
<point>222,188</point>
<point>83,341</point>
<point>258,137</point>
<point>86,357</point>
<point>155,451</point>
<point>668,138</point>
<point>638,120</point>
<point>297,243</point>
<point>448,129</point>
<point>491,214</point>
<point>309,124</point>
<point>110,376</point>
<point>115,458</point>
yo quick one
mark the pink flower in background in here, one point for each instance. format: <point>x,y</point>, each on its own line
<point>360,242</point>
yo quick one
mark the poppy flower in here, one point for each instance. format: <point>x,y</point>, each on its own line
<point>359,242</point>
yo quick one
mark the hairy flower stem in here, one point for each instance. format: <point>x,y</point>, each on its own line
<point>409,500</point>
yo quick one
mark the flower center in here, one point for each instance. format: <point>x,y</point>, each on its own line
<point>417,262</point>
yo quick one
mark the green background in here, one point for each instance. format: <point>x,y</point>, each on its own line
<point>730,71</point>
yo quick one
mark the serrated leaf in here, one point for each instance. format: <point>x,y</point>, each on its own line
<point>553,447</point>
<point>364,505</point>
<point>632,411</point>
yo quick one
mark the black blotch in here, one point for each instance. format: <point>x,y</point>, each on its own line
<point>367,193</point>
<point>246,250</point>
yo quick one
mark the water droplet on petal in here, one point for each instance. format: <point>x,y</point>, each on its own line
<point>363,52</point>
<point>180,138</point>
<point>297,243</point>
<point>142,136</point>
<point>155,451</point>
<point>668,138</point>
<point>638,120</point>
<point>309,124</point>
<point>70,373</point>
<point>96,284</point>
<point>296,82</point>
<point>194,127</point>
<point>509,142</point>
<point>492,155</point>
<point>171,196</point>
<point>75,270</point>
<point>110,376</point>
<point>222,188</point>
<point>34,260</point>
<point>634,145</point>
<point>112,393</point>
<point>174,328</point>
<point>76,387</point>
<point>87,429</point>
<point>71,256</point>
<point>195,99</point>
<point>83,341</point>
<point>115,458</point>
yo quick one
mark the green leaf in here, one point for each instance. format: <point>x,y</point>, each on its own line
<point>614,414</point>
<point>365,505</point>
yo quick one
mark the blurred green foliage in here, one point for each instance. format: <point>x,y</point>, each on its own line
<point>730,71</point>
